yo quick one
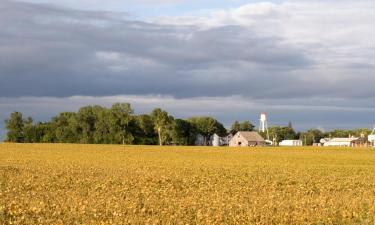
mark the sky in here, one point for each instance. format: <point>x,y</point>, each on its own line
<point>308,62</point>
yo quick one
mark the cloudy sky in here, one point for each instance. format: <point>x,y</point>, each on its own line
<point>309,62</point>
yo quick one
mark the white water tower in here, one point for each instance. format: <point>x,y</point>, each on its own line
<point>263,125</point>
<point>371,137</point>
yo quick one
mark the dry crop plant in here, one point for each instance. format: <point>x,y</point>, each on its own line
<point>104,184</point>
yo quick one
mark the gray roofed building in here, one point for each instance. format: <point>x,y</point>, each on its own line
<point>247,139</point>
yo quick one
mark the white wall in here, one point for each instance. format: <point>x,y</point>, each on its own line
<point>291,143</point>
<point>337,144</point>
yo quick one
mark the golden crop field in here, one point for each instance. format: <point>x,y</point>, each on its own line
<point>98,184</point>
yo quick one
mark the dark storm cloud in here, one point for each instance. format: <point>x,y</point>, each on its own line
<point>52,51</point>
<point>301,61</point>
<point>268,53</point>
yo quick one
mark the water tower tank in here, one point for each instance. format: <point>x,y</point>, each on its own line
<point>263,117</point>
<point>263,127</point>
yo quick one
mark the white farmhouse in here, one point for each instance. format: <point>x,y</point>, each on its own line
<point>291,143</point>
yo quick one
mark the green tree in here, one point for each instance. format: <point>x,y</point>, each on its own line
<point>183,133</point>
<point>243,126</point>
<point>236,126</point>
<point>144,132</point>
<point>15,127</point>
<point>29,131</point>
<point>348,133</point>
<point>312,136</point>
<point>40,130</point>
<point>162,124</point>
<point>66,127</point>
<point>207,126</point>
<point>86,124</point>
<point>120,117</point>
<point>361,132</point>
<point>102,133</point>
<point>246,126</point>
<point>48,130</point>
<point>279,133</point>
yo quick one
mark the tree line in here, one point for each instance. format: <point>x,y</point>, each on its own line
<point>115,125</point>
<point>279,133</point>
<point>119,125</point>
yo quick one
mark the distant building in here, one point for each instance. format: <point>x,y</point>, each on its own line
<point>225,140</point>
<point>340,142</point>
<point>361,142</point>
<point>291,143</point>
<point>199,140</point>
<point>371,138</point>
<point>247,139</point>
<point>324,140</point>
<point>346,142</point>
<point>216,140</point>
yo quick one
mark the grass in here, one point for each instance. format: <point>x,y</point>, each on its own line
<point>104,184</point>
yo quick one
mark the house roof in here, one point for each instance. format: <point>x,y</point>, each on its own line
<point>251,136</point>
<point>343,139</point>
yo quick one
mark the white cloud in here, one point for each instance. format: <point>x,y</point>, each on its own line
<point>333,33</point>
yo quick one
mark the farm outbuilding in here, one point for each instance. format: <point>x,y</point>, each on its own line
<point>346,142</point>
<point>291,143</point>
<point>216,140</point>
<point>343,142</point>
<point>371,138</point>
<point>361,142</point>
<point>340,142</point>
<point>247,139</point>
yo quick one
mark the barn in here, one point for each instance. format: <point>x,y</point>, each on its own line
<point>247,139</point>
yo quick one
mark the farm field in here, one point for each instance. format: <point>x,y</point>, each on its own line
<point>105,184</point>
